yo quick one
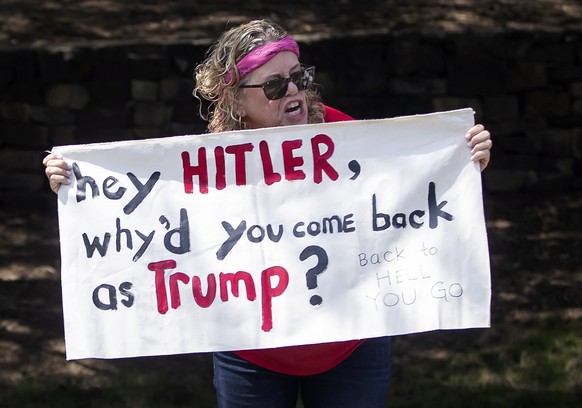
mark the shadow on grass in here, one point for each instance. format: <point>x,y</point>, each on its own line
<point>536,364</point>
<point>531,364</point>
<point>484,397</point>
<point>167,381</point>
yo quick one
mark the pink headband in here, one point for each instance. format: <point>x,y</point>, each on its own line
<point>263,54</point>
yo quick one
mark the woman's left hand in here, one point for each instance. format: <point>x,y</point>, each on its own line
<point>479,141</point>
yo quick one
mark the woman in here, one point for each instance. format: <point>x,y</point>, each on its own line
<point>253,79</point>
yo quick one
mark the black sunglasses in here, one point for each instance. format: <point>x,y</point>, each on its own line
<point>277,88</point>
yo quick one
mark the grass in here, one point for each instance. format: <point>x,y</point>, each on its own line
<point>126,391</point>
<point>533,365</point>
<point>538,364</point>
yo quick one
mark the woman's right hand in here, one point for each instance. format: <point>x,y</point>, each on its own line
<point>57,171</point>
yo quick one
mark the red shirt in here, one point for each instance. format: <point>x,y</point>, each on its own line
<point>309,359</point>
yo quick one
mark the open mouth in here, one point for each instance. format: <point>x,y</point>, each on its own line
<point>293,109</point>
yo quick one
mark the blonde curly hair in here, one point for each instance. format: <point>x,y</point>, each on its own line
<point>221,58</point>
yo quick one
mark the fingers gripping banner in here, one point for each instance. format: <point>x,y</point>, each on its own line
<point>273,237</point>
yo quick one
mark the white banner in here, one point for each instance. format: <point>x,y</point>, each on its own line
<point>273,237</point>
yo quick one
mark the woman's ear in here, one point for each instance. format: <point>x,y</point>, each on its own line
<point>239,109</point>
<point>239,106</point>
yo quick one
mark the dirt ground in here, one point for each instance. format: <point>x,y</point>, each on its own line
<point>535,240</point>
<point>52,21</point>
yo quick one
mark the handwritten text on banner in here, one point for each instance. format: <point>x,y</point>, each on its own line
<point>273,237</point>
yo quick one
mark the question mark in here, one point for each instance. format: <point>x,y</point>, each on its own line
<point>311,275</point>
<point>354,166</point>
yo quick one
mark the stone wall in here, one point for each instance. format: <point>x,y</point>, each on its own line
<point>525,86</point>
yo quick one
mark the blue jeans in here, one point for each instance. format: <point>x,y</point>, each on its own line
<point>359,381</point>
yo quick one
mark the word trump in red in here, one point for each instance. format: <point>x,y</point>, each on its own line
<point>268,290</point>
